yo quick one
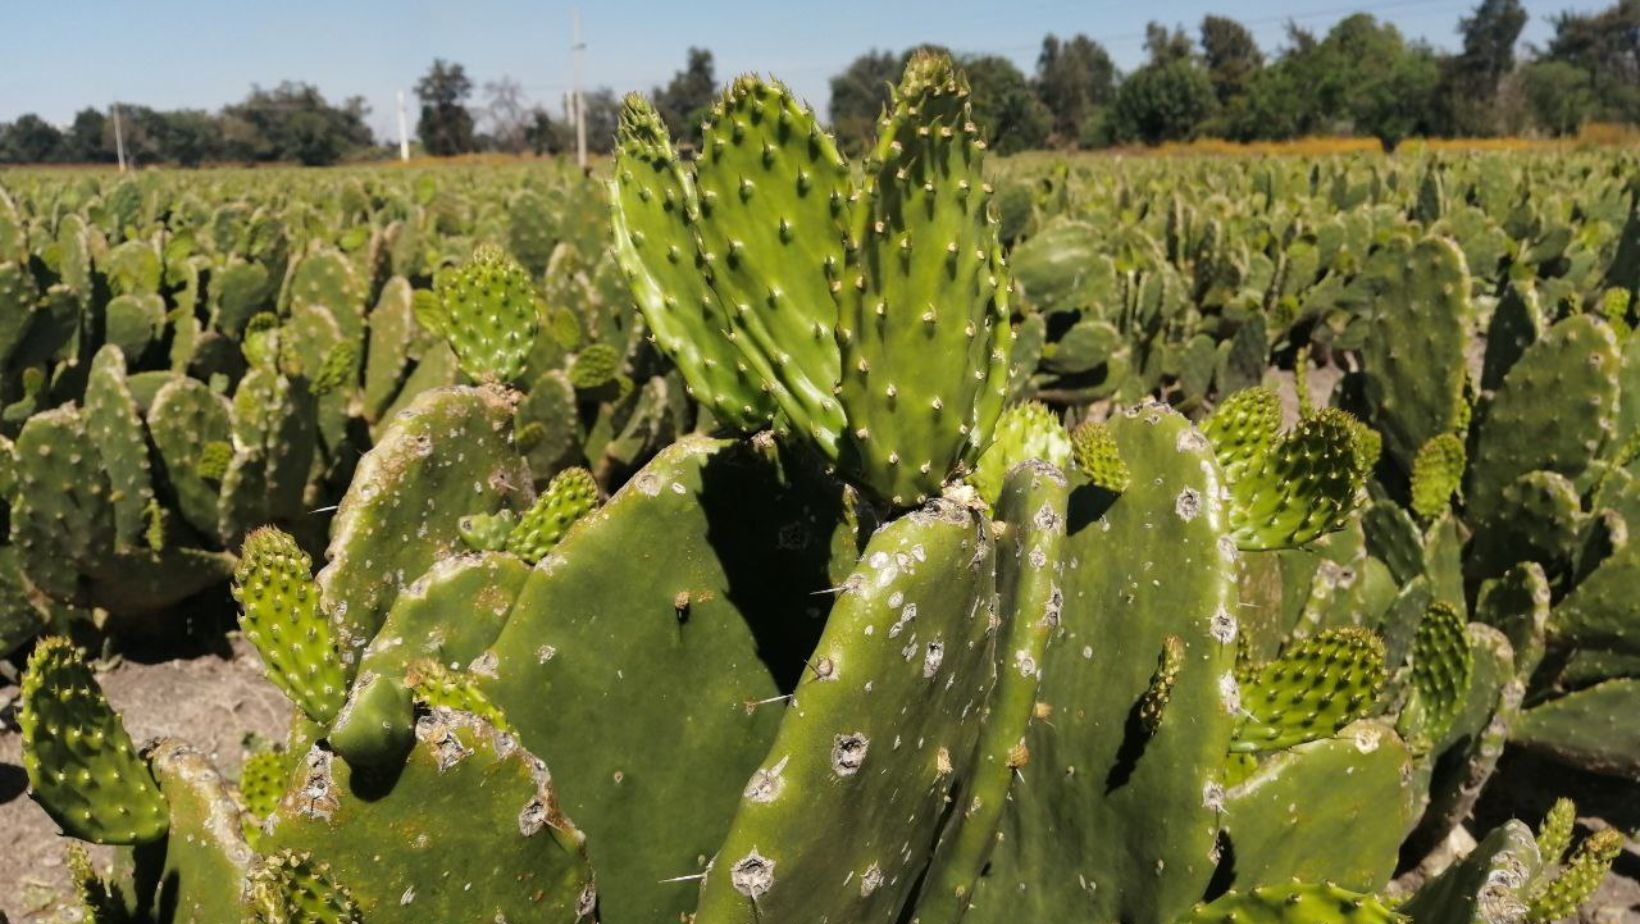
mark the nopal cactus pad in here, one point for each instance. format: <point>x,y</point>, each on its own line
<point>490,314</point>
<point>1314,688</point>
<point>571,495</point>
<point>1295,903</point>
<point>283,619</point>
<point>82,766</point>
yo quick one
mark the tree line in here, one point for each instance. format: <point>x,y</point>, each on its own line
<point>1361,78</point>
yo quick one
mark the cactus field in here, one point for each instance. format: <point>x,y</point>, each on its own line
<point>756,535</point>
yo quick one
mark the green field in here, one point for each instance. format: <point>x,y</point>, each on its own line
<point>904,539</point>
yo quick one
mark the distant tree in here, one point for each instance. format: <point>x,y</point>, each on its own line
<point>1076,81</point>
<point>31,140</point>
<point>1470,80</point>
<point>507,114</point>
<point>1163,102</point>
<point>858,96</point>
<point>188,137</point>
<point>1606,45</point>
<point>540,133</point>
<point>1560,95</point>
<point>1231,54</point>
<point>685,100</point>
<point>292,122</point>
<point>445,126</point>
<point>89,139</point>
<point>1005,108</point>
<point>1164,45</point>
<point>603,115</point>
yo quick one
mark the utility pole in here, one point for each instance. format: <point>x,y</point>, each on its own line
<point>119,137</point>
<point>579,48</point>
<point>404,135</point>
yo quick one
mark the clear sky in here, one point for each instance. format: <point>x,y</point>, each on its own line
<point>60,55</point>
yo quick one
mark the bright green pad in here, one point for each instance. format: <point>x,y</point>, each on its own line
<point>1294,903</point>
<point>436,686</point>
<point>677,605</point>
<point>596,365</point>
<point>1243,429</point>
<point>1030,565</point>
<point>1024,433</point>
<point>1592,728</point>
<point>1303,486</point>
<point>571,495</point>
<point>1437,471</point>
<point>1555,832</point>
<point>1442,666</point>
<point>654,217</point>
<point>290,888</point>
<point>447,456</point>
<point>450,614</point>
<point>1599,612</point>
<point>475,822</point>
<point>1108,822</point>
<point>1415,300</point>
<point>488,532</point>
<point>923,309</point>
<point>490,315</point>
<point>282,618</point>
<point>1333,810</point>
<point>876,737</point>
<point>1094,452</point>
<point>1552,412</point>
<point>112,423</point>
<point>193,876</point>
<point>81,764</point>
<point>773,193</point>
<point>1559,898</point>
<point>1314,688</point>
<point>1486,886</point>
<point>262,779</point>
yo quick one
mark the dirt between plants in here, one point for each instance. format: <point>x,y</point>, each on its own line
<point>211,701</point>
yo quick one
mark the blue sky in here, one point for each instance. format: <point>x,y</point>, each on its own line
<point>58,56</point>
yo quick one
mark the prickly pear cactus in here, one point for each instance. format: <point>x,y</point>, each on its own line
<point>274,584</point>
<point>490,314</point>
<point>515,856</point>
<point>845,305</point>
<point>924,278</point>
<point>1129,833</point>
<point>81,764</point>
<point>910,627</point>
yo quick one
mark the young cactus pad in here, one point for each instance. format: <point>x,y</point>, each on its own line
<point>274,584</point>
<point>81,764</point>
<point>875,317</point>
<point>490,314</point>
